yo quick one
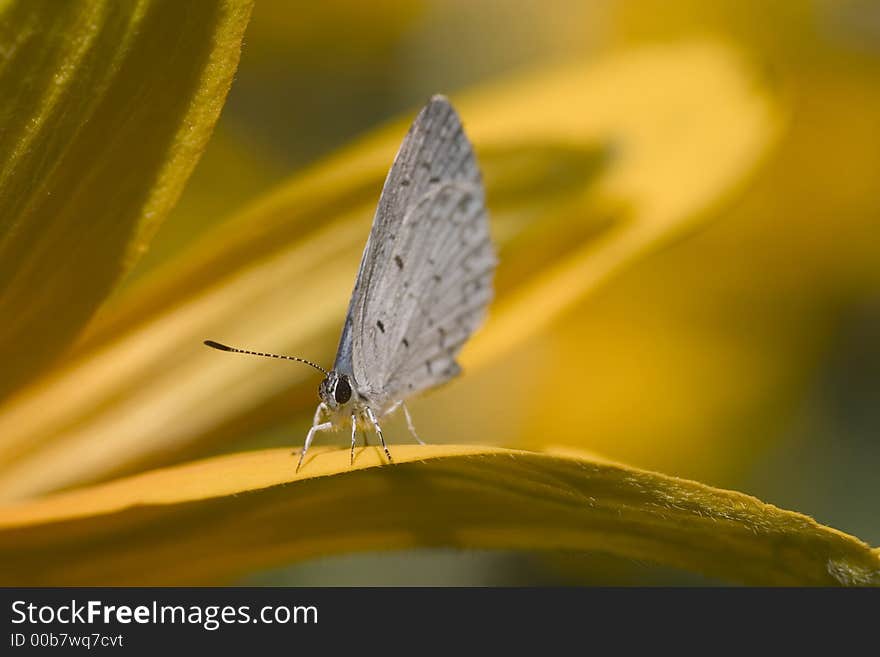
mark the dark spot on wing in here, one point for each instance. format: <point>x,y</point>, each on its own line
<point>428,365</point>
<point>434,179</point>
<point>405,343</point>
<point>398,261</point>
<point>437,278</point>
<point>472,287</point>
<point>404,182</point>
<point>380,325</point>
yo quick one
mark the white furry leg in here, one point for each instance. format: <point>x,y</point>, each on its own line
<point>317,426</point>
<point>354,425</point>
<point>409,423</point>
<point>375,422</point>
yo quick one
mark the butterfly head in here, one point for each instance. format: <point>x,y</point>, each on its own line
<point>335,390</point>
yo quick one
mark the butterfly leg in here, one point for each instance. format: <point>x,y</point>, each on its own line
<point>391,409</point>
<point>409,423</point>
<point>315,428</point>
<point>378,429</point>
<point>319,413</point>
<point>354,425</point>
<point>317,425</point>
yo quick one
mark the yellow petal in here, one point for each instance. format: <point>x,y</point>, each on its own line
<point>670,161</point>
<point>587,166</point>
<point>106,108</point>
<point>209,521</point>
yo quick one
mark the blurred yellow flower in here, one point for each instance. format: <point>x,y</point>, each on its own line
<point>589,165</point>
<point>204,522</point>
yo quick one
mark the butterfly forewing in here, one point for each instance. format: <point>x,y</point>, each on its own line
<point>426,275</point>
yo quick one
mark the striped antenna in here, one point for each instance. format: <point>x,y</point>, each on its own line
<point>223,347</point>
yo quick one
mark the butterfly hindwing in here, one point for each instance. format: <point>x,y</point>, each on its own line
<point>426,274</point>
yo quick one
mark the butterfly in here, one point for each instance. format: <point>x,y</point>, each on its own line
<point>423,287</point>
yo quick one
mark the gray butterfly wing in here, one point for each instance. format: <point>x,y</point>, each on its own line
<point>426,274</point>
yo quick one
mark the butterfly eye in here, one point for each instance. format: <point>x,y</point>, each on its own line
<point>343,391</point>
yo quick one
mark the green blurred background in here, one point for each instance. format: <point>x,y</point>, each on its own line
<point>745,355</point>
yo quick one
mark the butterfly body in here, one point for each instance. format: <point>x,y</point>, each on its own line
<point>342,399</point>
